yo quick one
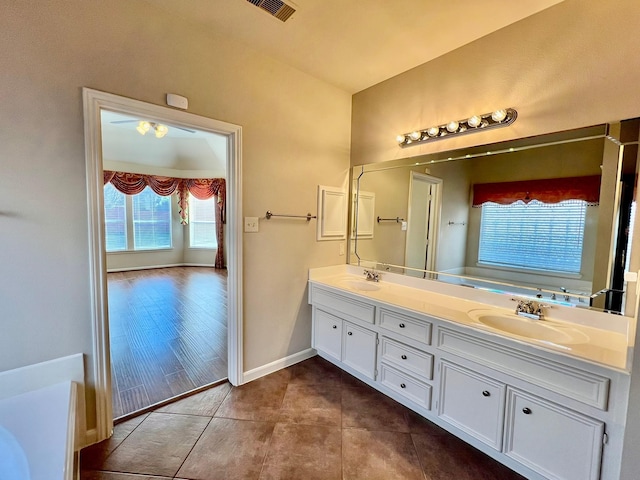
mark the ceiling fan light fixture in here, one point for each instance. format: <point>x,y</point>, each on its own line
<point>143,127</point>
<point>161,130</point>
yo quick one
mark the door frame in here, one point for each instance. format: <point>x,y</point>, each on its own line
<point>100,362</point>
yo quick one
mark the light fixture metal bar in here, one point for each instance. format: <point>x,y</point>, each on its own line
<point>475,123</point>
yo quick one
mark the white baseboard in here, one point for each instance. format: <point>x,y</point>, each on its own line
<point>277,365</point>
<point>151,267</point>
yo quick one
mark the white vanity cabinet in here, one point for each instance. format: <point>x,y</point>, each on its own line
<point>472,402</point>
<point>327,333</point>
<point>546,416</point>
<point>340,331</point>
<point>554,441</point>
<point>359,349</point>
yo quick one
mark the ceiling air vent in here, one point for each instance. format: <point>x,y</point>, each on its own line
<point>277,8</point>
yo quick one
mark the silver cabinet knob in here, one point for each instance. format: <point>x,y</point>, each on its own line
<point>401,325</point>
<point>404,357</point>
<point>335,326</point>
<point>402,385</point>
<point>349,333</point>
<point>486,393</point>
<point>526,411</point>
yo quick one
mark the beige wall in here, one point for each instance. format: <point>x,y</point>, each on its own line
<point>572,65</point>
<point>295,136</point>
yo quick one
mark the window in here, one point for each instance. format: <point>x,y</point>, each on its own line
<point>151,221</point>
<point>202,223</point>
<point>115,219</point>
<point>557,231</point>
<point>136,222</point>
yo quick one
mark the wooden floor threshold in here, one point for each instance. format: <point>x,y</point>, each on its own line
<point>150,408</point>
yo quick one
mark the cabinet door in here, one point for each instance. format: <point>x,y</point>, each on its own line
<point>472,402</point>
<point>552,440</point>
<point>327,333</point>
<point>359,349</point>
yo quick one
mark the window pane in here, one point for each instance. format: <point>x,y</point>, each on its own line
<point>534,235</point>
<point>151,221</point>
<point>202,223</point>
<point>115,219</point>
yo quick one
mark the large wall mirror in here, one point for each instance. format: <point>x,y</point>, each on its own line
<point>548,217</point>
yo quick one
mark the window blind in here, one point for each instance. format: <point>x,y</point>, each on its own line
<point>115,219</point>
<point>533,236</point>
<point>151,221</point>
<point>202,223</point>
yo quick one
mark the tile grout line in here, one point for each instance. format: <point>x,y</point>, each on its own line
<point>203,430</point>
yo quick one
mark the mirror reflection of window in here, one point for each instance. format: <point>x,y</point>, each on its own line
<point>533,236</point>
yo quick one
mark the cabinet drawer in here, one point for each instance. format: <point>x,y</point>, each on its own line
<point>327,333</point>
<point>406,358</point>
<point>406,386</point>
<point>410,327</point>
<point>342,305</point>
<point>552,440</point>
<point>472,402</point>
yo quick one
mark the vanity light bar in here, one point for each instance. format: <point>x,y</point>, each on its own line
<point>476,123</point>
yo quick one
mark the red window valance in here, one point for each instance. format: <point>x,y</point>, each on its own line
<point>550,190</point>
<point>201,188</point>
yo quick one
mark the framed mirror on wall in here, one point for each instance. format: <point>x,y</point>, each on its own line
<point>549,217</point>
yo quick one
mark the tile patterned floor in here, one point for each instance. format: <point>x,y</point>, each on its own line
<point>310,421</point>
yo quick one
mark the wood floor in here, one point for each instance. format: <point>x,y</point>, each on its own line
<point>168,330</point>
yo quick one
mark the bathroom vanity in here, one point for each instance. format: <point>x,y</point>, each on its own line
<point>547,397</point>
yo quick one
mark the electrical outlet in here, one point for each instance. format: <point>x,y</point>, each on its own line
<point>251,224</point>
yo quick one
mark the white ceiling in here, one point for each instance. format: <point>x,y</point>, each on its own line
<point>352,44</point>
<point>180,153</point>
<point>355,44</point>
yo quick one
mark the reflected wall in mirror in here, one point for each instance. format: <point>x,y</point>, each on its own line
<point>566,239</point>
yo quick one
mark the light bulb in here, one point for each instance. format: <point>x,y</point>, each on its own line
<point>143,127</point>
<point>415,135</point>
<point>474,121</point>
<point>433,131</point>
<point>499,115</point>
<point>161,130</point>
<point>400,139</point>
<point>452,126</point>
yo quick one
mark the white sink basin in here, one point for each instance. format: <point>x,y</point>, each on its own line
<point>543,330</point>
<point>361,285</point>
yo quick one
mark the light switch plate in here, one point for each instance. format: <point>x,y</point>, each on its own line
<point>251,224</point>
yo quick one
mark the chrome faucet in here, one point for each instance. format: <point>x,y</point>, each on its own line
<point>372,275</point>
<point>530,309</point>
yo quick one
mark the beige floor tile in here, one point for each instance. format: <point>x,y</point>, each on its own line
<point>204,403</point>
<point>370,455</point>
<point>361,408</point>
<point>418,424</point>
<point>93,457</point>
<point>158,446</point>
<point>312,405</point>
<point>259,400</point>
<point>86,475</point>
<point>309,452</point>
<point>444,457</point>
<point>316,371</point>
<point>228,450</point>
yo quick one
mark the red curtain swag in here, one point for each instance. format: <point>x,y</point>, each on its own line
<point>201,188</point>
<point>551,190</point>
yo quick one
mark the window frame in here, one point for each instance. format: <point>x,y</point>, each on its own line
<point>130,227</point>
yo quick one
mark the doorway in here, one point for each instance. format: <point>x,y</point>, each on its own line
<point>100,365</point>
<point>423,219</point>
